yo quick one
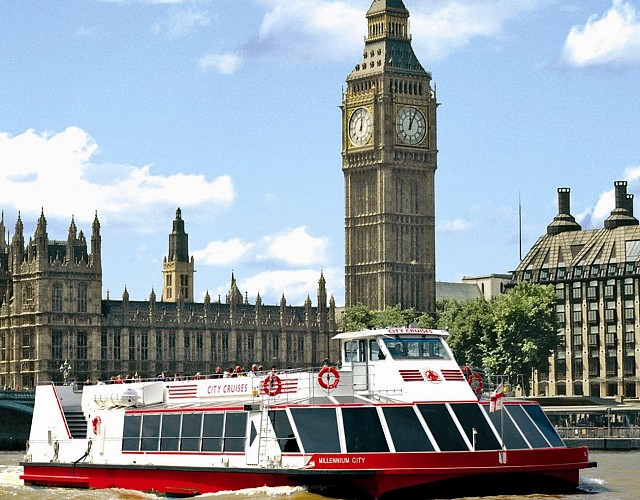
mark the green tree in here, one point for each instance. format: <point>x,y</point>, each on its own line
<point>393,316</point>
<point>468,322</point>
<point>524,332</point>
<point>356,318</point>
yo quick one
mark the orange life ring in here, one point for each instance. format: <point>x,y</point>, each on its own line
<point>95,423</point>
<point>325,378</point>
<point>272,385</point>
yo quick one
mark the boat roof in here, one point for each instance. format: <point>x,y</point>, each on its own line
<point>390,332</point>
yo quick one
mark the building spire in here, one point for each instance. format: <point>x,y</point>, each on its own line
<point>178,240</point>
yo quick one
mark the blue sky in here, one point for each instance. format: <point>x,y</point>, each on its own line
<point>228,109</point>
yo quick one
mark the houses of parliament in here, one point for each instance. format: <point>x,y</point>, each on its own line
<point>51,310</point>
<point>51,304</point>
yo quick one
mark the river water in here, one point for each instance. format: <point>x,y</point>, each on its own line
<point>617,477</point>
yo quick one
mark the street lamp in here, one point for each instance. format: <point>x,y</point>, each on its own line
<point>65,369</point>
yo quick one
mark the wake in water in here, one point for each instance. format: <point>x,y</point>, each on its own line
<point>592,486</point>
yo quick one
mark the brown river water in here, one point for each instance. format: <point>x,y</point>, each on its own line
<point>617,477</point>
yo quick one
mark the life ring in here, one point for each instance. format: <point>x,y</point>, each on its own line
<point>475,381</point>
<point>328,378</point>
<point>272,385</point>
<point>95,423</point>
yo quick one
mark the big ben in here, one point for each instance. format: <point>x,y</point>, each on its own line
<point>389,158</point>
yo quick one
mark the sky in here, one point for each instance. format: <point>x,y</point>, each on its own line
<point>229,109</point>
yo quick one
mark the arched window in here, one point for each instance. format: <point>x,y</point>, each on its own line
<point>56,299</point>
<point>82,297</point>
<point>28,292</point>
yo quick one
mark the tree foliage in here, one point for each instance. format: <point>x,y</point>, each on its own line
<point>511,335</point>
<point>524,331</point>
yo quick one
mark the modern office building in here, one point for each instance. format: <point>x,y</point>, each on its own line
<point>596,275</point>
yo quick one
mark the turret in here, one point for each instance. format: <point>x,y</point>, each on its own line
<point>96,244</point>
<point>622,214</point>
<point>177,268</point>
<point>41,239</point>
<point>564,221</point>
<point>17,245</point>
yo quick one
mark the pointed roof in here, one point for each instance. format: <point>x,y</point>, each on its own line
<point>386,5</point>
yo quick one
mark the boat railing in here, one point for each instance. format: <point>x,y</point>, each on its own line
<point>579,432</point>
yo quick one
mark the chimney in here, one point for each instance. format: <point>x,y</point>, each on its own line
<point>564,221</point>
<point>622,214</point>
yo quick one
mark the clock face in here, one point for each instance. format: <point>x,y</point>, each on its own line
<point>411,125</point>
<point>360,126</point>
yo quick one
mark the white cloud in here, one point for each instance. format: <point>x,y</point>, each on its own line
<point>603,207</point>
<point>308,29</point>
<point>57,171</point>
<point>324,30</point>
<point>295,284</point>
<point>293,247</point>
<point>222,253</point>
<point>296,247</point>
<point>613,38</point>
<point>180,21</point>
<point>453,226</point>
<point>607,200</point>
<point>227,64</point>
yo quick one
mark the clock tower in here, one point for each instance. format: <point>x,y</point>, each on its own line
<point>389,161</point>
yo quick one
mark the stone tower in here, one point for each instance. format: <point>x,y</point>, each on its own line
<point>177,267</point>
<point>389,161</point>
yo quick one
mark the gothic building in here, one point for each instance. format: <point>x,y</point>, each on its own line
<point>596,275</point>
<point>389,161</point>
<point>51,310</point>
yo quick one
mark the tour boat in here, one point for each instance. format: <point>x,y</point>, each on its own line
<point>399,417</point>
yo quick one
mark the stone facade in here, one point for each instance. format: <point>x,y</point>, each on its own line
<point>51,310</point>
<point>596,275</point>
<point>389,155</point>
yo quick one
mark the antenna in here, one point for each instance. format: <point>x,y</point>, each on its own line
<point>520,224</point>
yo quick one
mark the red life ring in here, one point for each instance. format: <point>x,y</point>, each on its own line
<point>95,423</point>
<point>475,381</point>
<point>325,378</point>
<point>272,385</point>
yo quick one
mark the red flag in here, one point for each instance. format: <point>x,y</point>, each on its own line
<point>496,399</point>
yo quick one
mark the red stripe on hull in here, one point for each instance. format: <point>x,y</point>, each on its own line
<point>374,473</point>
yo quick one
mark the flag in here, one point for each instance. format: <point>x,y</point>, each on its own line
<point>496,399</point>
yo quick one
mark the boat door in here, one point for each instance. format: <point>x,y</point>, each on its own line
<point>253,438</point>
<point>355,354</point>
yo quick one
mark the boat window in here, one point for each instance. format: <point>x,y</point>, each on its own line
<point>511,436</point>
<point>131,433</point>
<point>362,430</point>
<point>150,433</point>
<point>471,417</point>
<point>170,432</point>
<point>235,431</point>
<point>284,432</point>
<point>191,428</point>
<point>428,348</point>
<point>374,351</point>
<point>541,420</point>
<point>535,438</point>
<point>442,427</point>
<point>354,351</point>
<point>406,430</point>
<point>318,429</point>
<point>212,431</point>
